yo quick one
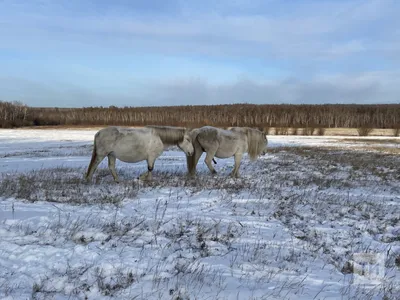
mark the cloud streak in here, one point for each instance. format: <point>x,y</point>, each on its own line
<point>374,87</point>
<point>302,52</point>
<point>365,88</point>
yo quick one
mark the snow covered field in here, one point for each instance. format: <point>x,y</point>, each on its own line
<point>315,218</point>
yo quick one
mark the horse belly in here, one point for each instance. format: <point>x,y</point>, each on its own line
<point>130,158</point>
<point>225,152</point>
<point>130,154</point>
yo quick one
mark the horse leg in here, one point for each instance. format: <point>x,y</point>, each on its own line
<point>195,160</point>
<point>93,165</point>
<point>208,160</point>
<point>150,166</point>
<point>111,166</point>
<point>238,159</point>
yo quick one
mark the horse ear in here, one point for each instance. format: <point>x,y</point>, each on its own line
<point>262,131</point>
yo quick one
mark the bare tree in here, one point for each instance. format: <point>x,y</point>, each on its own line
<point>258,116</point>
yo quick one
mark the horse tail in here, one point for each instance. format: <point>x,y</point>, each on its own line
<point>255,140</point>
<point>94,155</point>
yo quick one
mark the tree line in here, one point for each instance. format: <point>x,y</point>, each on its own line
<point>252,115</point>
<point>13,114</point>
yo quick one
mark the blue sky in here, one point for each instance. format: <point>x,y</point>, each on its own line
<point>138,53</point>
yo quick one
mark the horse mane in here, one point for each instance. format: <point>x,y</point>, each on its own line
<point>169,135</point>
<point>255,140</point>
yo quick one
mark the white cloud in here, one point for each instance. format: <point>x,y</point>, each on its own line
<point>313,30</point>
<point>305,37</point>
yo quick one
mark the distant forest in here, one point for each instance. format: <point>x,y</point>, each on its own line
<point>16,114</point>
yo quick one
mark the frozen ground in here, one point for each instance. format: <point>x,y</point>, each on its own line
<point>315,218</point>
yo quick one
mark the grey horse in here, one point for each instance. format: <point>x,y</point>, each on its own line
<point>132,145</point>
<point>224,143</point>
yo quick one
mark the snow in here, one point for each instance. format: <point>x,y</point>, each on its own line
<point>284,230</point>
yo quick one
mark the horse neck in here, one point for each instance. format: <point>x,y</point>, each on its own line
<point>170,135</point>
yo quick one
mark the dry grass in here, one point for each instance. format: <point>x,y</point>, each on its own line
<point>63,185</point>
<point>381,149</point>
<point>271,130</point>
<point>396,131</point>
<point>364,131</point>
<point>66,185</point>
<point>328,181</point>
<point>382,164</point>
<point>304,188</point>
<point>369,145</point>
<point>335,131</point>
<point>353,132</point>
<point>371,141</point>
<point>68,127</point>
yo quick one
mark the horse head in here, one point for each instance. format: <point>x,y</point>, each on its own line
<point>186,144</point>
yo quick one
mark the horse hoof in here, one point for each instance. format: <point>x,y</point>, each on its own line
<point>143,178</point>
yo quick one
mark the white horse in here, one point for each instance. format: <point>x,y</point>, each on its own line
<point>222,143</point>
<point>136,144</point>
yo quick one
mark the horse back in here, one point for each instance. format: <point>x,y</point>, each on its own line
<point>113,135</point>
